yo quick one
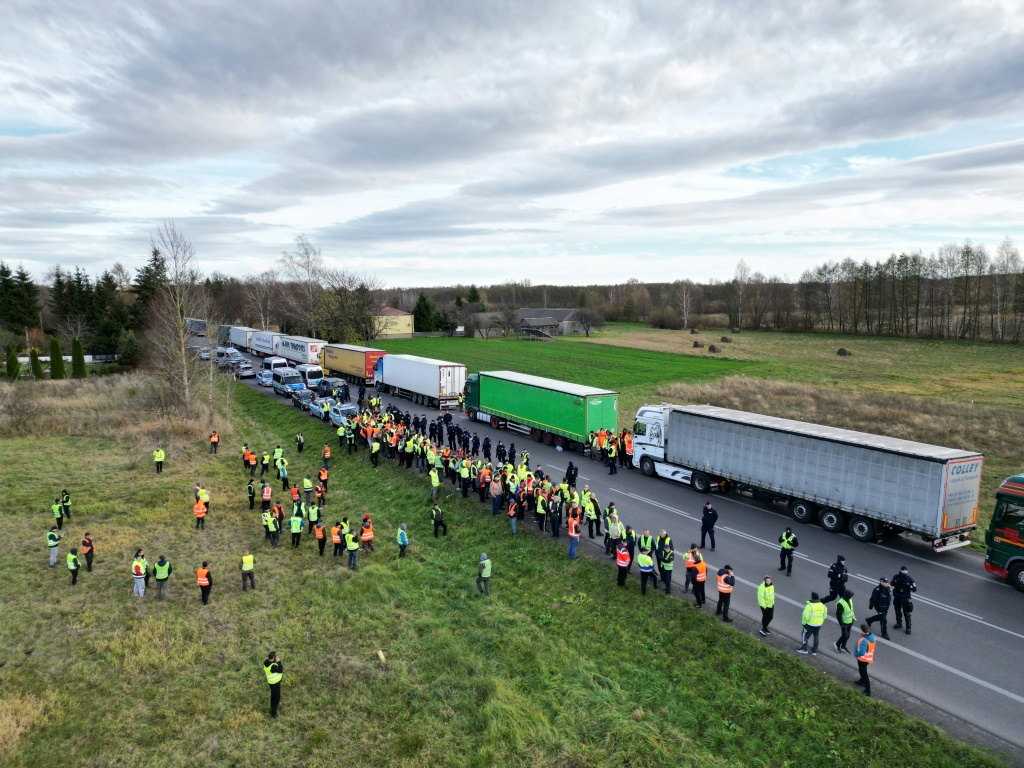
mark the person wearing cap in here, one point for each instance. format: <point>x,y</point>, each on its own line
<point>845,617</point>
<point>690,563</point>
<point>903,587</point>
<point>646,564</point>
<point>668,558</point>
<point>708,519</point>
<point>437,518</point>
<point>837,576</point>
<point>787,543</point>
<point>766,599</point>
<point>879,602</point>
<point>865,655</point>
<point>74,565</point>
<point>700,577</point>
<point>726,582</point>
<point>814,616</point>
<point>483,579</point>
<point>622,561</point>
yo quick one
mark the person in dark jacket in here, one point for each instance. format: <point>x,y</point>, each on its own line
<point>879,602</point>
<point>837,576</point>
<point>571,473</point>
<point>903,587</point>
<point>707,525</point>
<point>845,617</point>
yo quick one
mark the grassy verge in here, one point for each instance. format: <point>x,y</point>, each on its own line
<point>558,668</point>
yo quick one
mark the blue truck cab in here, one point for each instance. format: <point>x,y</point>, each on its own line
<point>286,381</point>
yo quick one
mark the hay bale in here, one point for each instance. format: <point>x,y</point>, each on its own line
<point>727,339</point>
<point>735,330</point>
<point>714,348</point>
<point>694,331</point>
<point>698,344</point>
<point>844,352</point>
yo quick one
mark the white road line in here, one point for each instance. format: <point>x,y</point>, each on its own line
<point>919,656</point>
<point>935,604</point>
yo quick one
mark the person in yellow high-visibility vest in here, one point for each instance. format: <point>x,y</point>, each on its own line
<point>274,670</point>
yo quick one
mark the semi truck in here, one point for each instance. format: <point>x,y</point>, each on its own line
<point>350,362</point>
<point>867,484</point>
<point>1004,539</point>
<point>301,350</point>
<point>223,334</point>
<point>555,412</point>
<point>264,343</point>
<point>241,337</point>
<point>436,383</point>
<point>195,326</point>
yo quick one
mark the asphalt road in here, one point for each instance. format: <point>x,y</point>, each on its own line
<point>965,626</point>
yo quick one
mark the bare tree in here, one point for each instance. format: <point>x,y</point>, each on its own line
<point>507,322</point>
<point>73,327</point>
<point>589,319</point>
<point>687,296</point>
<point>182,297</point>
<point>122,278</point>
<point>491,323</point>
<point>261,294</point>
<point>303,296</point>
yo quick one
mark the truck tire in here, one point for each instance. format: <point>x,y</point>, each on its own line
<point>494,422</point>
<point>803,511</point>
<point>862,529</point>
<point>471,414</point>
<point>700,482</point>
<point>1016,576</point>
<point>536,434</point>
<point>548,438</point>
<point>831,520</point>
<point>647,466</point>
<point>560,442</point>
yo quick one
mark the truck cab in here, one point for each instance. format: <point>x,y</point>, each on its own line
<point>1004,539</point>
<point>286,381</point>
<point>650,438</point>
<point>311,374</point>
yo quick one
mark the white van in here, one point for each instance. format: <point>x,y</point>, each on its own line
<point>270,363</point>
<point>310,374</point>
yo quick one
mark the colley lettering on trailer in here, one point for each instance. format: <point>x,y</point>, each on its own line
<point>965,469</point>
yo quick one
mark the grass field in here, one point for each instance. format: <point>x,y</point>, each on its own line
<point>558,668</point>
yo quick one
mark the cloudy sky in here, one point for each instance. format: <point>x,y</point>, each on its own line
<point>435,142</point>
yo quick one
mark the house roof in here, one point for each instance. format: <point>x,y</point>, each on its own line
<point>555,315</point>
<point>538,322</point>
<point>392,312</point>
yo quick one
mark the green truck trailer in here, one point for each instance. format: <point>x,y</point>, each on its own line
<point>554,412</point>
<point>1004,555</point>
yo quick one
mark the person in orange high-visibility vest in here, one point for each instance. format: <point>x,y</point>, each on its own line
<point>574,533</point>
<point>205,581</point>
<point>622,560</point>
<point>246,453</point>
<point>726,581</point>
<point>336,538</point>
<point>865,655</point>
<point>323,476</point>
<point>200,511</point>
<point>325,454</point>
<point>295,493</point>
<point>265,494</point>
<point>318,491</point>
<point>253,460</point>
<point>321,535</point>
<point>627,454</point>
<point>366,534</point>
<point>700,579</point>
<point>214,440</point>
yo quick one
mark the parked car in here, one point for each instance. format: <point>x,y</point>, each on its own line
<point>204,354</point>
<point>327,385</point>
<point>301,398</point>
<point>246,371</point>
<point>265,378</point>
<point>316,406</point>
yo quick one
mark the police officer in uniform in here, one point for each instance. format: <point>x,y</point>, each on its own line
<point>903,587</point>
<point>787,543</point>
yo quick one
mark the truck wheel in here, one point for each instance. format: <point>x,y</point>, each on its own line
<point>471,414</point>
<point>862,529</point>
<point>647,466</point>
<point>1017,576</point>
<point>548,438</point>
<point>559,442</point>
<point>700,482</point>
<point>536,434</point>
<point>803,511</point>
<point>494,422</point>
<point>831,520</point>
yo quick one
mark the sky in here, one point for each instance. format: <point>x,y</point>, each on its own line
<point>441,142</point>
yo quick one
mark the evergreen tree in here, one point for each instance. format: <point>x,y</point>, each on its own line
<point>6,293</point>
<point>129,348</point>
<point>424,314</point>
<point>473,297</point>
<point>56,359</point>
<point>37,367</point>
<point>77,360</point>
<point>22,307</point>
<point>148,282</point>
<point>13,366</point>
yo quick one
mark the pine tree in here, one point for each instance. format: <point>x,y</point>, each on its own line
<point>13,366</point>
<point>23,305</point>
<point>129,348</point>
<point>37,367</point>
<point>56,360</point>
<point>6,294</point>
<point>473,297</point>
<point>424,314</point>
<point>77,360</point>
<point>148,282</point>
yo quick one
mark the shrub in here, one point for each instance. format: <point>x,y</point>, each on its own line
<point>129,349</point>
<point>37,367</point>
<point>77,360</point>
<point>56,360</point>
<point>13,366</point>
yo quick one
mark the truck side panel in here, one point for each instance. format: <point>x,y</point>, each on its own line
<point>900,490</point>
<point>544,409</point>
<point>602,413</point>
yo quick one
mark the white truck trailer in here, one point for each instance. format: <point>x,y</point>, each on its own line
<point>845,480</point>
<point>240,337</point>
<point>301,350</point>
<point>264,343</point>
<point>436,383</point>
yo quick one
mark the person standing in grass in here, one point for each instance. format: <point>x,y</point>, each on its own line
<point>295,524</point>
<point>483,579</point>
<point>336,535</point>
<point>158,459</point>
<point>161,572</point>
<point>200,512</point>
<point>58,513</point>
<point>403,540</point>
<point>366,534</point>
<point>645,563</point>
<point>65,504</point>
<point>437,518</point>
<point>247,566</point>
<point>300,442</point>
<point>574,532</point>
<point>139,576</point>
<point>52,541</point>
<point>250,491</point>
<point>88,549</point>
<point>214,442</point>
<point>352,545</point>
<point>282,470</point>
<point>205,581</point>
<point>766,600</point>
<point>622,560</point>
<point>264,463</point>
<point>320,533</point>
<point>274,670</point>
<point>74,565</point>
<point>865,655</point>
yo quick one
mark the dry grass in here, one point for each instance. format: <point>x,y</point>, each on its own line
<point>19,715</point>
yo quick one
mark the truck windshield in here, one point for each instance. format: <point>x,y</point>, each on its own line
<point>1009,513</point>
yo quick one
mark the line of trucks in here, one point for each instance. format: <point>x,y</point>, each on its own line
<point>846,481</point>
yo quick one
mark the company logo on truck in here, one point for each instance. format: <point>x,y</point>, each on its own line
<point>965,469</point>
<point>298,346</point>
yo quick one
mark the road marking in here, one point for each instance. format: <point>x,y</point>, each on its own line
<point>919,656</point>
<point>749,537</point>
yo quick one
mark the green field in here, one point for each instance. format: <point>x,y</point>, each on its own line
<point>558,668</point>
